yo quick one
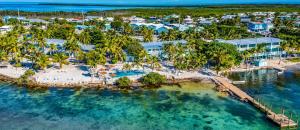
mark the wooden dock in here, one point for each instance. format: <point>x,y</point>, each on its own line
<point>280,119</point>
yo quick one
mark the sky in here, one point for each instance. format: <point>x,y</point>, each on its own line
<point>160,2</point>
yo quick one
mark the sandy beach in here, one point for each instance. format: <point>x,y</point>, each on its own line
<point>79,74</point>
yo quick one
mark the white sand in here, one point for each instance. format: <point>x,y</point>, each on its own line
<point>72,74</point>
<point>68,74</point>
<point>13,72</point>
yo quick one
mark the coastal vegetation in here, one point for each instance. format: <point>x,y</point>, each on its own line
<point>24,79</point>
<point>153,79</point>
<point>123,82</point>
<point>99,43</point>
<point>209,10</point>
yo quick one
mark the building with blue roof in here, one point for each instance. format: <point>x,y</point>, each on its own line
<point>7,18</point>
<point>257,26</point>
<point>272,46</point>
<point>83,27</point>
<point>60,42</point>
<point>155,48</point>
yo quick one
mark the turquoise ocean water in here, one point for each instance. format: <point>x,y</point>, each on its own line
<point>195,106</point>
<point>40,6</point>
<point>277,91</point>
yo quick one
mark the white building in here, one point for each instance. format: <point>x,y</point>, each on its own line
<point>5,29</point>
<point>135,19</point>
<point>225,17</point>
<point>109,19</point>
<point>272,46</point>
<point>188,20</point>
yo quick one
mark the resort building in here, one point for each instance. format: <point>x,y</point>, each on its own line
<point>7,18</point>
<point>5,29</point>
<point>59,43</point>
<point>257,26</point>
<point>272,46</point>
<point>75,20</point>
<point>37,21</point>
<point>225,17</point>
<point>135,19</point>
<point>245,19</point>
<point>83,27</point>
<point>99,18</point>
<point>155,48</point>
<point>109,19</point>
<point>297,24</point>
<point>157,28</point>
<point>188,20</point>
<point>180,27</point>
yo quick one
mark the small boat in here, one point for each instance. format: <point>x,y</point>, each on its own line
<point>280,72</point>
<point>238,82</point>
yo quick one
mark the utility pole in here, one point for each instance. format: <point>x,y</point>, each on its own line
<point>18,14</point>
<point>82,17</point>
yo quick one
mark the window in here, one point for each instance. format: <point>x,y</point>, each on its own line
<point>252,45</point>
<point>275,49</point>
<point>276,43</point>
<point>244,46</point>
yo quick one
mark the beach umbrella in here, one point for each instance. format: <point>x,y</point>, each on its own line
<point>102,69</point>
<point>113,75</point>
<point>103,72</point>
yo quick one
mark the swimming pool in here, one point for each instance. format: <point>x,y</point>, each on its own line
<point>120,74</point>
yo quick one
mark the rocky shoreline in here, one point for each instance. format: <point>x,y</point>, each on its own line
<point>33,84</point>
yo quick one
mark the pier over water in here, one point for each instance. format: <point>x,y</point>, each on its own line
<point>280,119</point>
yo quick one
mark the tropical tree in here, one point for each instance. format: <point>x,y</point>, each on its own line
<point>61,59</point>
<point>52,48</point>
<point>127,67</point>
<point>153,79</point>
<point>42,62</point>
<point>170,51</point>
<point>72,46</point>
<point>124,83</point>
<point>154,62</point>
<point>3,56</point>
<point>85,37</point>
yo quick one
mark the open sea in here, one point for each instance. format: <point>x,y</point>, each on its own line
<point>129,4</point>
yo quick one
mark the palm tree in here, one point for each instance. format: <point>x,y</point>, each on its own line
<point>148,36</point>
<point>260,48</point>
<point>154,62</point>
<point>61,59</point>
<point>85,37</point>
<point>127,67</point>
<point>93,58</point>
<point>72,47</point>
<point>3,56</point>
<point>246,55</point>
<point>127,29</point>
<point>42,62</point>
<point>285,46</point>
<point>53,48</point>
<point>39,37</point>
<point>170,51</point>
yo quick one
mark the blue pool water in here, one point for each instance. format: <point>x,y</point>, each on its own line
<point>120,74</point>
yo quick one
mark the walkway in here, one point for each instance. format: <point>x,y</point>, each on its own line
<point>279,119</point>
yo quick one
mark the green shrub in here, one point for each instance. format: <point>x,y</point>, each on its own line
<point>123,82</point>
<point>24,78</point>
<point>153,79</point>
